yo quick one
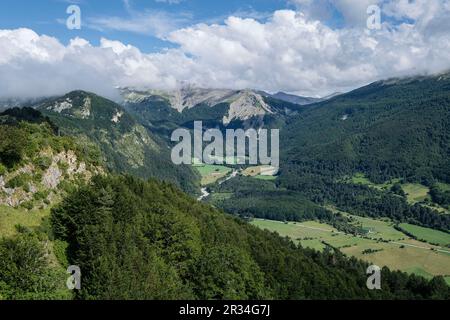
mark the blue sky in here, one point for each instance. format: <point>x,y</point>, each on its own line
<point>305,47</point>
<point>46,16</point>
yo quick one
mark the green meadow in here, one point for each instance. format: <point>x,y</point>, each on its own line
<point>415,192</point>
<point>426,234</point>
<point>211,173</point>
<point>12,217</point>
<point>387,246</point>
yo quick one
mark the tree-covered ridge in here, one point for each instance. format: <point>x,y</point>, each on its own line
<point>389,129</point>
<point>126,146</point>
<point>146,240</point>
<point>26,131</point>
<point>37,167</point>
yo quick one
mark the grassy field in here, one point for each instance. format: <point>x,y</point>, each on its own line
<point>360,178</point>
<point>310,234</point>
<point>427,234</point>
<point>255,172</point>
<point>252,171</point>
<point>211,173</point>
<point>396,250</point>
<point>10,217</point>
<point>415,192</point>
<point>420,261</point>
<point>377,229</point>
<point>380,229</point>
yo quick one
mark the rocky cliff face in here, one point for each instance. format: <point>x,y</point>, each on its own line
<point>36,164</point>
<point>184,98</point>
<point>247,105</point>
<point>243,104</point>
<point>38,184</point>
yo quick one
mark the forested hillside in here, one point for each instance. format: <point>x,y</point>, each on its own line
<point>37,169</point>
<point>391,132</point>
<point>125,145</point>
<point>397,129</point>
<point>146,240</point>
<point>389,129</point>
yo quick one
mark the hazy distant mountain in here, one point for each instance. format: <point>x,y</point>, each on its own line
<point>295,99</point>
<point>8,103</point>
<point>300,100</point>
<point>331,96</point>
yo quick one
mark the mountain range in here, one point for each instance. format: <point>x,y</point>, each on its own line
<point>222,108</point>
<point>99,175</point>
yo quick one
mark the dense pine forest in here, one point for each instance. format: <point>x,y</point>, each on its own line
<point>146,240</point>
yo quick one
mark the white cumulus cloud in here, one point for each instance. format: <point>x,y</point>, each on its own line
<point>290,51</point>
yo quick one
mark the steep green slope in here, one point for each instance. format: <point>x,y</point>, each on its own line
<point>146,240</point>
<point>396,129</point>
<point>389,129</point>
<point>37,169</point>
<point>27,272</point>
<point>126,146</point>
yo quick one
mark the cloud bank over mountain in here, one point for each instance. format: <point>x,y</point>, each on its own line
<point>292,51</point>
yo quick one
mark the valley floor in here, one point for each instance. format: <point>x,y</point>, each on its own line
<point>383,245</point>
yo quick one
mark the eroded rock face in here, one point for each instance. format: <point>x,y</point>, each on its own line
<point>247,105</point>
<point>183,98</point>
<point>11,197</point>
<point>60,106</point>
<point>244,104</point>
<point>16,197</point>
<point>52,177</point>
<point>85,111</point>
<point>117,116</point>
<point>64,165</point>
